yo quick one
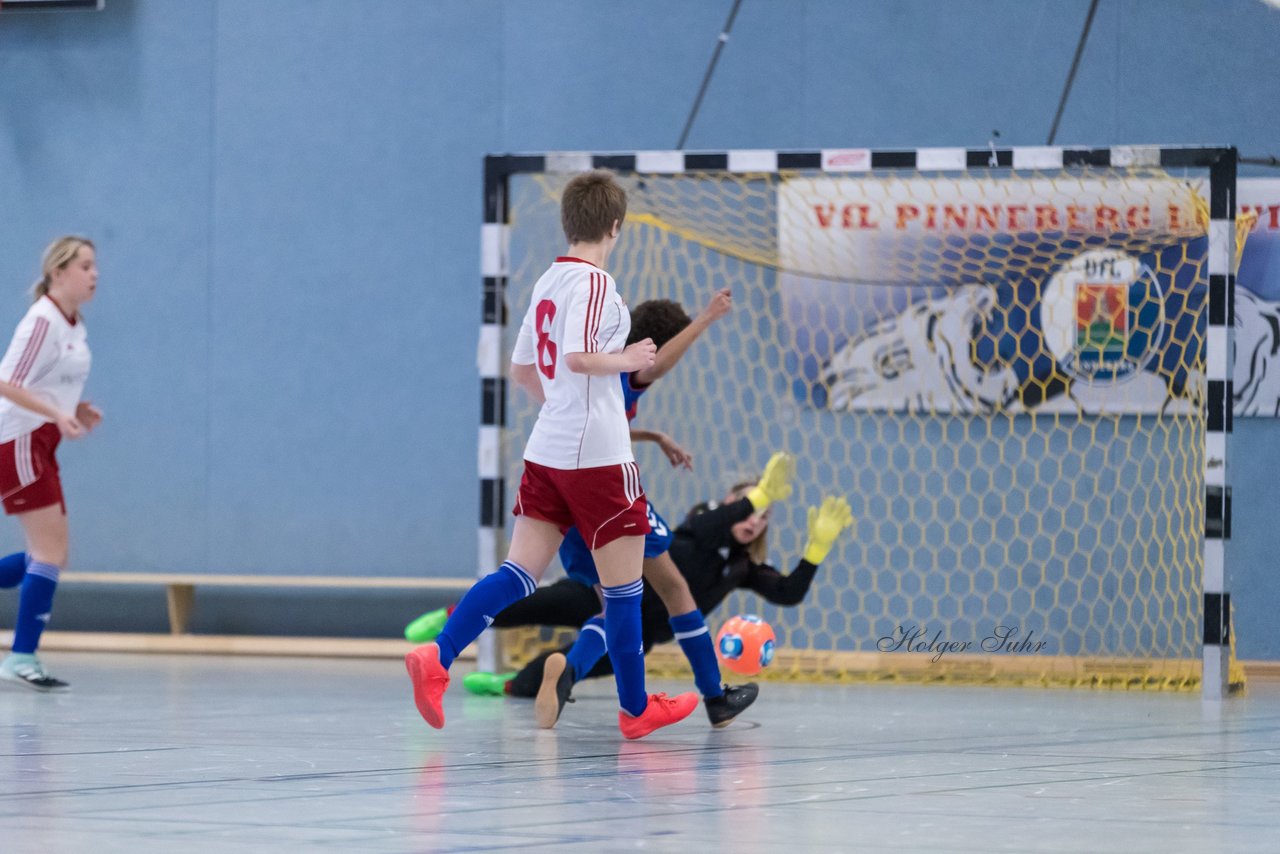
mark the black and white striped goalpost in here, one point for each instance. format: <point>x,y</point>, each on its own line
<point>1219,360</point>
<point>1220,162</point>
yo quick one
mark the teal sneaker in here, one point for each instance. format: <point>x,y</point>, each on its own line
<point>26,669</point>
<point>487,684</point>
<point>428,627</point>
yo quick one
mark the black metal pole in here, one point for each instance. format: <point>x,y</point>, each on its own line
<point>706,78</point>
<point>1071,75</point>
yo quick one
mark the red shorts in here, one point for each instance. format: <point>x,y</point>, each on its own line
<point>29,471</point>
<point>603,503</point>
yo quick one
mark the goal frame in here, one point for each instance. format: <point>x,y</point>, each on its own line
<point>1221,163</point>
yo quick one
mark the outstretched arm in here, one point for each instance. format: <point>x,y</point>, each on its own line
<point>676,454</point>
<point>715,526</point>
<point>826,522</point>
<point>782,589</point>
<point>671,352</point>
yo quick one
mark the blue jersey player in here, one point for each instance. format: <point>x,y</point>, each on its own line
<point>723,702</point>
<point>670,328</point>
<point>719,548</point>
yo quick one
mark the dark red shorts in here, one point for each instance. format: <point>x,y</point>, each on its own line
<point>29,471</point>
<point>603,503</point>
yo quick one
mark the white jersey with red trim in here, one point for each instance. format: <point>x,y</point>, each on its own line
<point>49,357</point>
<point>583,423</point>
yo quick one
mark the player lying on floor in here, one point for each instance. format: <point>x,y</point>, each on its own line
<point>718,548</point>
<point>723,702</point>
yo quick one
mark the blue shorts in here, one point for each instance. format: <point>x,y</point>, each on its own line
<point>576,557</point>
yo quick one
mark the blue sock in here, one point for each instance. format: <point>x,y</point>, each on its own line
<point>695,640</point>
<point>484,601</point>
<point>626,644</point>
<point>589,648</point>
<point>12,568</point>
<point>34,605</point>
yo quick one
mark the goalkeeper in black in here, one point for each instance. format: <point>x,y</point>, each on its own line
<point>718,548</point>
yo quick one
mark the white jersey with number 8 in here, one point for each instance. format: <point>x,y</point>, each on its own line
<point>583,423</point>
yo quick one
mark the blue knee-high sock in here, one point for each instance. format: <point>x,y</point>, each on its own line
<point>589,648</point>
<point>485,600</point>
<point>34,605</point>
<point>626,644</point>
<point>12,568</point>
<point>695,640</point>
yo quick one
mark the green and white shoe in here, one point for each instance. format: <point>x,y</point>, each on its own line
<point>26,669</point>
<point>427,627</point>
<point>487,684</point>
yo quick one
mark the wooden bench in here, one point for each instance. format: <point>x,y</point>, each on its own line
<point>180,598</point>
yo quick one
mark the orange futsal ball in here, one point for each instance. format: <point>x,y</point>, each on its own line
<point>745,644</point>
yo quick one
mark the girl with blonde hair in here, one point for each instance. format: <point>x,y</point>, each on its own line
<point>42,377</point>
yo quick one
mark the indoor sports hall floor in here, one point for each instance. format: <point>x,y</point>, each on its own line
<point>194,754</point>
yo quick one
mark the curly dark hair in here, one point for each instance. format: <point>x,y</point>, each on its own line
<point>659,319</point>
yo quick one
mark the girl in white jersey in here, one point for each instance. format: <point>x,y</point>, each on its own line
<point>42,377</point>
<point>579,469</point>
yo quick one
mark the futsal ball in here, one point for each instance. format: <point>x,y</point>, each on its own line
<point>745,644</point>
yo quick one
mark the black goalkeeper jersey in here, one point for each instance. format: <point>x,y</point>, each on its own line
<point>715,564</point>
<point>712,562</point>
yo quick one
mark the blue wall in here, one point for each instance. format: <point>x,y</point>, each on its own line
<point>286,198</point>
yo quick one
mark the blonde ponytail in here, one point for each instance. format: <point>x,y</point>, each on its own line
<point>57,255</point>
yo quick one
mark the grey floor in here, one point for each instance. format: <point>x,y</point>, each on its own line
<point>193,754</point>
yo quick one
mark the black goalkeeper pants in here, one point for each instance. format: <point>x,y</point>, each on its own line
<point>568,603</point>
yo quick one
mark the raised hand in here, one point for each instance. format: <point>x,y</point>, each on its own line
<point>718,306</point>
<point>775,483</point>
<point>825,524</point>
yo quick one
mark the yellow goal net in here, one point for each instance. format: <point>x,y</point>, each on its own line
<point>1003,371</point>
